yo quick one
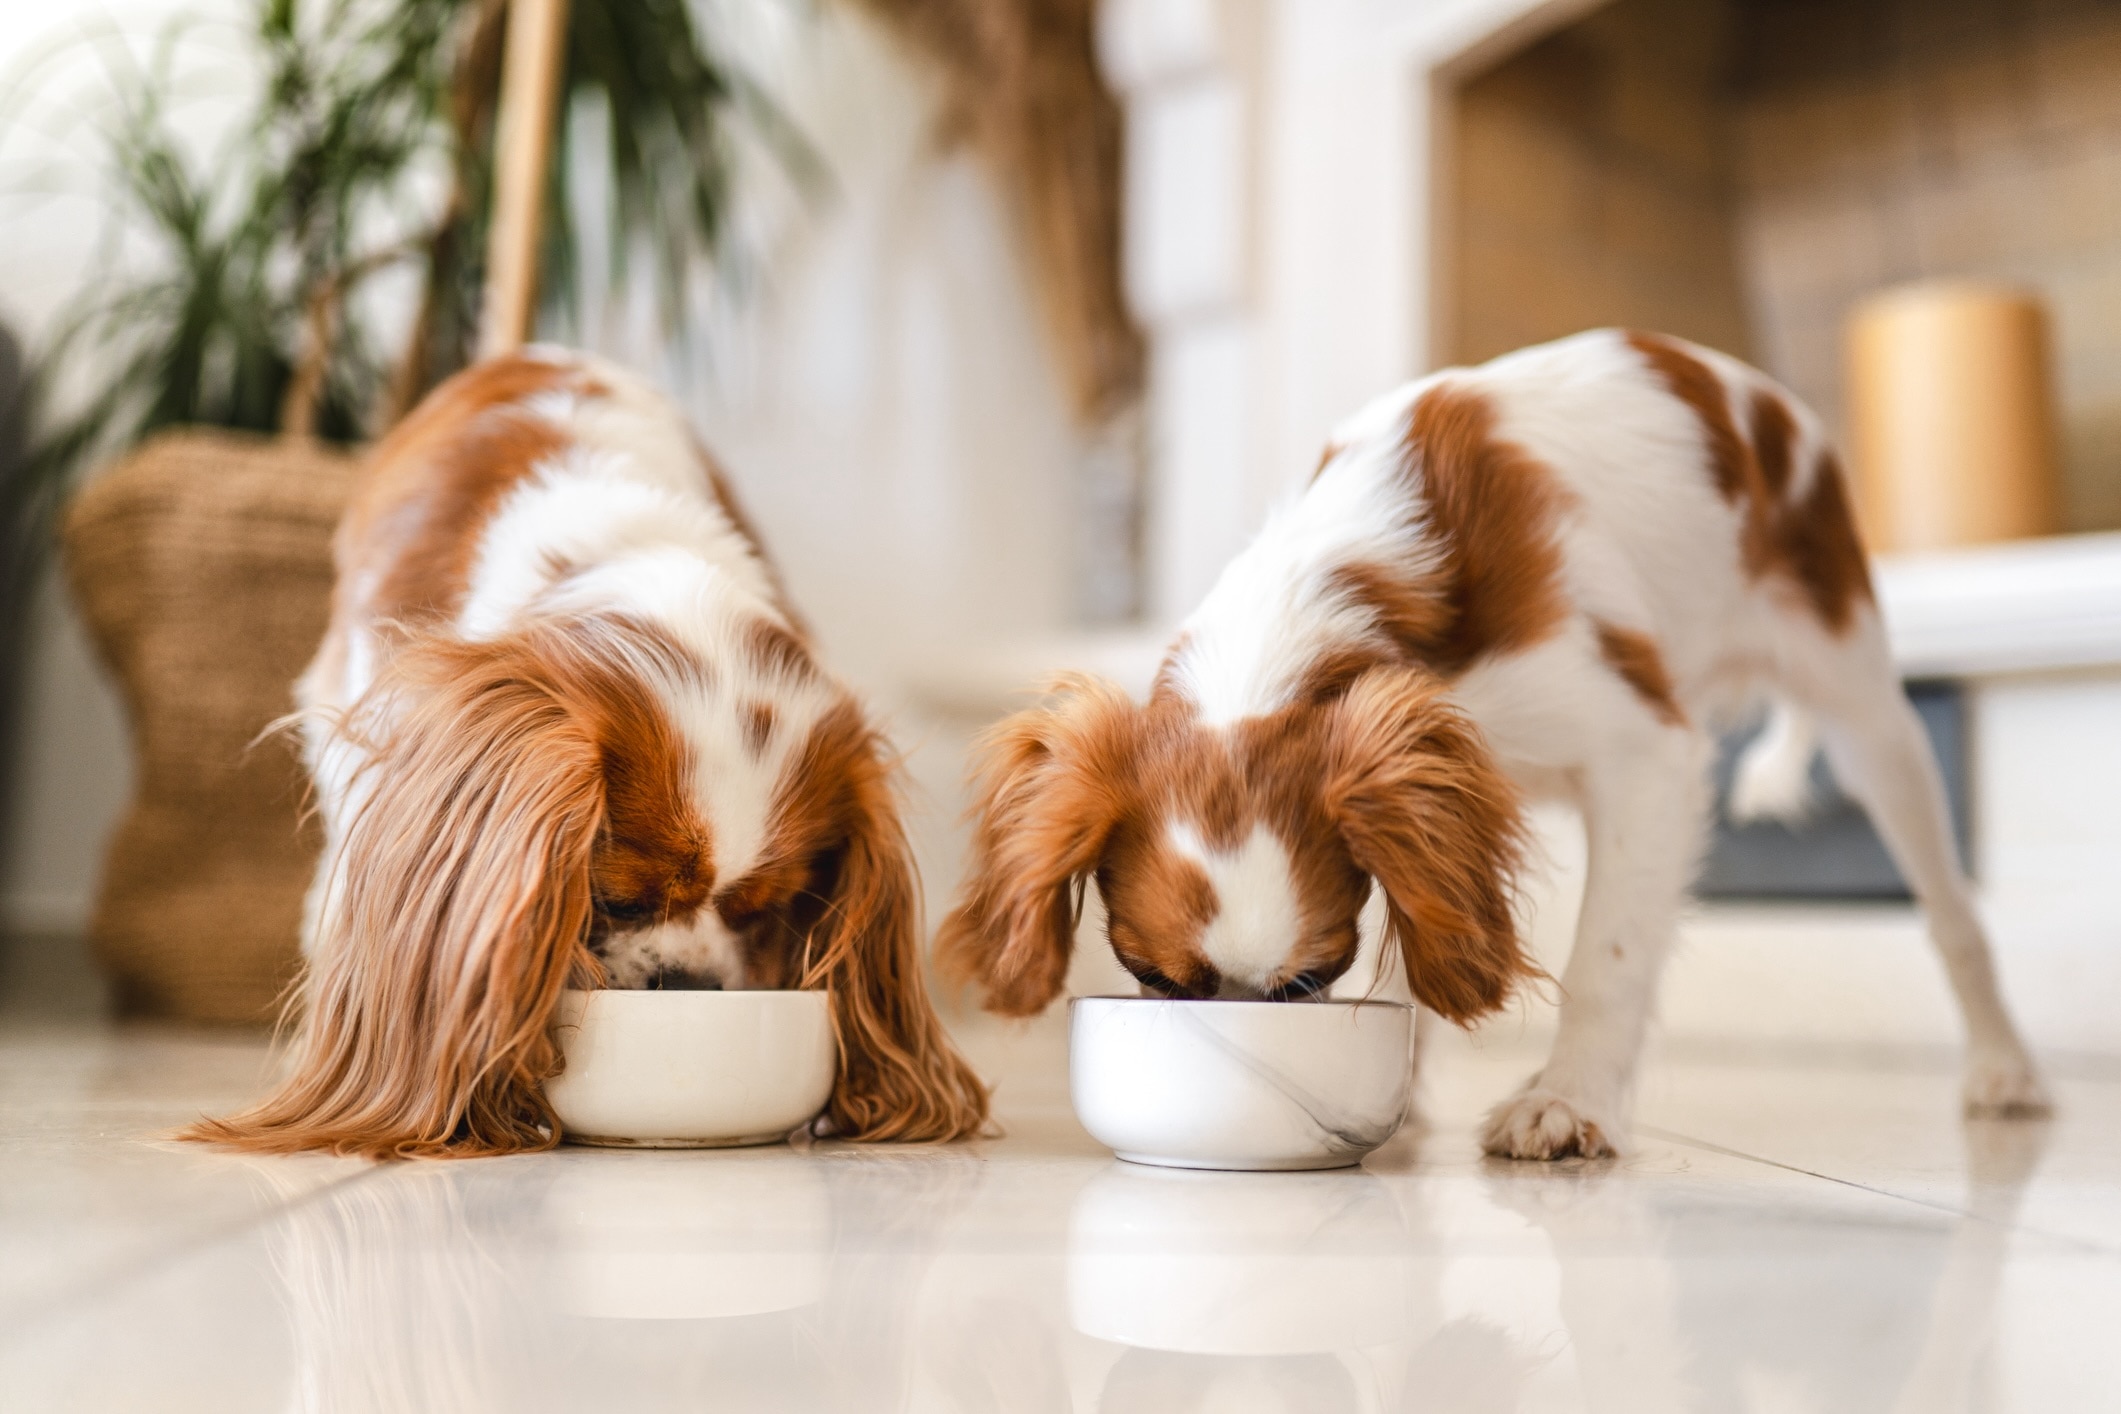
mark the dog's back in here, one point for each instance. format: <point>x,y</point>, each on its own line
<point>1614,498</point>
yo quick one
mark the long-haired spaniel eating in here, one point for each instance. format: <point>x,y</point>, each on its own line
<point>1545,576</point>
<point>565,727</point>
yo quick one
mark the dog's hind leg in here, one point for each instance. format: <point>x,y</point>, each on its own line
<point>1879,753</point>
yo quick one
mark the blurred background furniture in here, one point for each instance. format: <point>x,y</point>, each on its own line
<point>202,564</point>
<point>1951,434</point>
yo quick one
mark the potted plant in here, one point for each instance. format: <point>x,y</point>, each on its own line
<point>230,377</point>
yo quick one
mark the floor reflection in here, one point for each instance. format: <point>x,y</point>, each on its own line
<point>1266,1285</point>
<point>669,1237</point>
<point>407,1291</point>
<point>845,1279</point>
<point>1237,1264</point>
<point>617,1280</point>
<point>1171,1382</point>
<point>1687,1298</point>
<point>1953,1370</point>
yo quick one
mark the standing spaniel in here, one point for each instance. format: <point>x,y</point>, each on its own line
<point>565,727</point>
<point>1549,575</point>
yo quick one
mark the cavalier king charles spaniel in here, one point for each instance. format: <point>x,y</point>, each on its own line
<point>565,729</point>
<point>1548,576</point>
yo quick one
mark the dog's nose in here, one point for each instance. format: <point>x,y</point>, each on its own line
<point>680,979</point>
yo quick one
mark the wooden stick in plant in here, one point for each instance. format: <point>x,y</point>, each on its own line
<point>530,91</point>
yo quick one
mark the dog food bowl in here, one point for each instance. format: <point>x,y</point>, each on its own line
<point>1240,1085</point>
<point>691,1070</point>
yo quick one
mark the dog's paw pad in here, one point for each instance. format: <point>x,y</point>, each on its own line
<point>1540,1124</point>
<point>2005,1087</point>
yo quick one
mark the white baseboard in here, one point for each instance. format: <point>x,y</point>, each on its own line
<point>1859,977</point>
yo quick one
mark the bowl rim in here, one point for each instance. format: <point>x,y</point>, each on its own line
<point>1313,1004</point>
<point>762,996</point>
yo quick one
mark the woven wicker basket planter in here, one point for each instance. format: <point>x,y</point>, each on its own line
<point>202,564</point>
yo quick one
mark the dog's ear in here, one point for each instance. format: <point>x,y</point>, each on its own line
<point>453,912</point>
<point>1424,811</point>
<point>1050,786</point>
<point>899,1076</point>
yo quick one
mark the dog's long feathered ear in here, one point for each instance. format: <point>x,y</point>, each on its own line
<point>899,1076</point>
<point>455,911</point>
<point>1049,789</point>
<point>1425,812</point>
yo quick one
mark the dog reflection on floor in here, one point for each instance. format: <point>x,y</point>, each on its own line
<point>905,1282</point>
<point>615,1281</point>
<point>1686,1299</point>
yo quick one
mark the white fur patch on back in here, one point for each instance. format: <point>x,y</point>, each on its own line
<point>628,482</point>
<point>1257,918</point>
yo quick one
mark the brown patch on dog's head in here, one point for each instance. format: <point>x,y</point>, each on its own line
<point>778,651</point>
<point>654,858</point>
<point>759,720</point>
<point>833,903</point>
<point>1052,785</point>
<point>1158,903</point>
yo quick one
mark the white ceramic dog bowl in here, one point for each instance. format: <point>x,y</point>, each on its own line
<point>1240,1085</point>
<point>691,1070</point>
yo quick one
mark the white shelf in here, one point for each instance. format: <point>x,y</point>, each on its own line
<point>2028,606</point>
<point>991,678</point>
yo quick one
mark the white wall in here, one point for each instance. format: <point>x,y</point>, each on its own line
<point>886,401</point>
<point>70,761</point>
<point>1278,248</point>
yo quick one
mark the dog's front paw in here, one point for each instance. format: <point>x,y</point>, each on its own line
<point>2004,1085</point>
<point>1538,1123</point>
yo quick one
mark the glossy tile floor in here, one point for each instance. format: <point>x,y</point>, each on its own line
<point>1792,1233</point>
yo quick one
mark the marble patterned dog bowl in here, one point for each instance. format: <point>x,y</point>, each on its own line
<point>1240,1085</point>
<point>691,1070</point>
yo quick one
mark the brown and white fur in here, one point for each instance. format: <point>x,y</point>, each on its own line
<point>1547,576</point>
<point>565,726</point>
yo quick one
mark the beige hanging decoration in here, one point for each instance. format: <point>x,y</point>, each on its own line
<point>1021,84</point>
